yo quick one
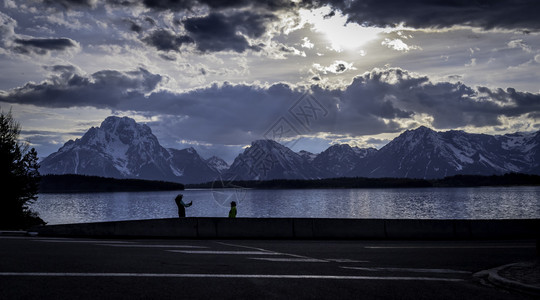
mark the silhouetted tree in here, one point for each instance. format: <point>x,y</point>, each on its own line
<point>19,176</point>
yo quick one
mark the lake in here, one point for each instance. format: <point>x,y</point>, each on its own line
<point>412,203</point>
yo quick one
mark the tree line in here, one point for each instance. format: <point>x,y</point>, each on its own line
<point>510,179</point>
<point>71,183</point>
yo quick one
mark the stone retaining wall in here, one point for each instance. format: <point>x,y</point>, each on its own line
<point>302,228</point>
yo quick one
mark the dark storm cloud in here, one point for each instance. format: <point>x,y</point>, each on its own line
<point>519,102</point>
<point>214,32</point>
<point>165,40</point>
<point>219,32</point>
<point>394,93</point>
<point>340,68</point>
<point>217,4</point>
<point>43,46</point>
<point>103,89</point>
<point>375,102</point>
<point>171,4</point>
<point>135,27</point>
<point>47,44</point>
<point>181,5</point>
<point>71,3</point>
<point>167,57</point>
<point>486,14</point>
<point>379,101</point>
<point>450,104</point>
<point>49,133</point>
<point>66,69</point>
<point>138,25</point>
<point>150,21</point>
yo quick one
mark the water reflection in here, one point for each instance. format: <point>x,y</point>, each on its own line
<point>441,203</point>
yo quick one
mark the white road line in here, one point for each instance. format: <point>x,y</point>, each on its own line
<point>345,260</point>
<point>288,259</point>
<point>264,250</point>
<point>242,246</point>
<point>444,271</point>
<point>259,276</point>
<point>14,237</point>
<point>448,247</point>
<point>79,241</point>
<point>153,246</point>
<point>225,252</point>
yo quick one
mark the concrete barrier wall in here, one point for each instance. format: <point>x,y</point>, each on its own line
<point>295,228</point>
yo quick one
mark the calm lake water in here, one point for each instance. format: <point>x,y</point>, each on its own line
<point>424,203</point>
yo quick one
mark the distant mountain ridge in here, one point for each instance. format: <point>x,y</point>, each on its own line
<point>267,159</point>
<point>121,148</point>
<point>338,160</point>
<point>425,153</point>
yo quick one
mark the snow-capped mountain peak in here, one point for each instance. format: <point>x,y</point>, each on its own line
<point>425,153</point>
<point>122,148</point>
<point>520,141</point>
<point>268,159</point>
<point>217,164</point>
<point>118,148</point>
<point>339,159</point>
<point>308,156</point>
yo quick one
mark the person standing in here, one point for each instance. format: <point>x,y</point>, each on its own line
<point>181,205</point>
<point>232,212</point>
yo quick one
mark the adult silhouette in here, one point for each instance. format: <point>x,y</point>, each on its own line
<point>181,205</point>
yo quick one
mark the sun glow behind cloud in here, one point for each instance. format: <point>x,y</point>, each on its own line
<point>341,35</point>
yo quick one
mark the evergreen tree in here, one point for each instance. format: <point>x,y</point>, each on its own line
<point>19,176</point>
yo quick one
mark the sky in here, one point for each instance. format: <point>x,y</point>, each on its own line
<point>217,75</point>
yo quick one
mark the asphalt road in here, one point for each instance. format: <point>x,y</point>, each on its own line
<point>55,268</point>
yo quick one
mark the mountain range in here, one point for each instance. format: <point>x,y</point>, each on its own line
<point>122,148</point>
